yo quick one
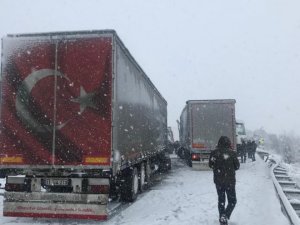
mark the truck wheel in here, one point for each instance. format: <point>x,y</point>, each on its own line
<point>164,162</point>
<point>130,187</point>
<point>188,159</point>
<point>142,175</point>
<point>181,153</point>
<point>148,173</point>
<point>189,162</point>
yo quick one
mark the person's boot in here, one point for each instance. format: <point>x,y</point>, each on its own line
<point>223,220</point>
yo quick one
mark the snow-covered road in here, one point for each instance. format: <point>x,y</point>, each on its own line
<point>189,197</point>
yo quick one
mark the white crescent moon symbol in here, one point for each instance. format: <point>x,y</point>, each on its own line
<point>22,99</point>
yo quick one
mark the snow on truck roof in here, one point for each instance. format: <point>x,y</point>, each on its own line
<point>68,33</point>
<point>208,101</point>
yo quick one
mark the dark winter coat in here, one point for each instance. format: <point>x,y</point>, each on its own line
<point>249,147</point>
<point>224,163</point>
<point>254,146</point>
<point>244,148</point>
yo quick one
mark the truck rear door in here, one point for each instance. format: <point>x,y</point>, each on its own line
<point>210,121</point>
<point>56,101</point>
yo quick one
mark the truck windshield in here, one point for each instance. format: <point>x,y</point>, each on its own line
<point>240,129</point>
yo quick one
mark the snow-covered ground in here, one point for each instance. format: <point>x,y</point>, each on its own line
<point>189,197</point>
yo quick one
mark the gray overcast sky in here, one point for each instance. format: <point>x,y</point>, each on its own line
<point>194,49</point>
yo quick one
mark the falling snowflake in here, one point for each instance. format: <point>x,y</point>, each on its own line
<point>226,156</point>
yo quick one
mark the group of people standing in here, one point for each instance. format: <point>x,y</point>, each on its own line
<point>247,148</point>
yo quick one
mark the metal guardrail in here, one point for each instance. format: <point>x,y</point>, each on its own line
<point>287,190</point>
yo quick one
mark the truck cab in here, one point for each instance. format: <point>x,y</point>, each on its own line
<point>240,132</point>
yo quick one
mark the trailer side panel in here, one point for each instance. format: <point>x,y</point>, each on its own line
<point>140,113</point>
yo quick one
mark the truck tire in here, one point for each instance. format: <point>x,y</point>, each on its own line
<point>142,178</point>
<point>130,187</point>
<point>164,162</point>
<point>188,159</point>
<point>148,173</point>
<point>180,152</point>
<point>189,162</point>
<point>165,165</point>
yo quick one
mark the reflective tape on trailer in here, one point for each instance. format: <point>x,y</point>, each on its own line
<point>55,210</point>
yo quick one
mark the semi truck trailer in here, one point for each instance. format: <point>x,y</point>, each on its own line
<point>202,123</point>
<point>81,123</point>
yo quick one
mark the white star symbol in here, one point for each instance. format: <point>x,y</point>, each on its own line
<point>85,100</point>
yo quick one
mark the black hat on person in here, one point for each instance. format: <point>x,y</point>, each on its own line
<point>224,142</point>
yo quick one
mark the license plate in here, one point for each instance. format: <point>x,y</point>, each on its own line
<point>57,182</point>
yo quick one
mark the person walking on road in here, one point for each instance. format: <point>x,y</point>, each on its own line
<point>243,152</point>
<point>249,149</point>
<point>224,163</point>
<point>254,146</point>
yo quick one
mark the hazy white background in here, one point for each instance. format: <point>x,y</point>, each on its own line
<point>195,49</point>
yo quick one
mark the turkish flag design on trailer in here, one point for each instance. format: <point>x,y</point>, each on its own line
<point>56,101</point>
